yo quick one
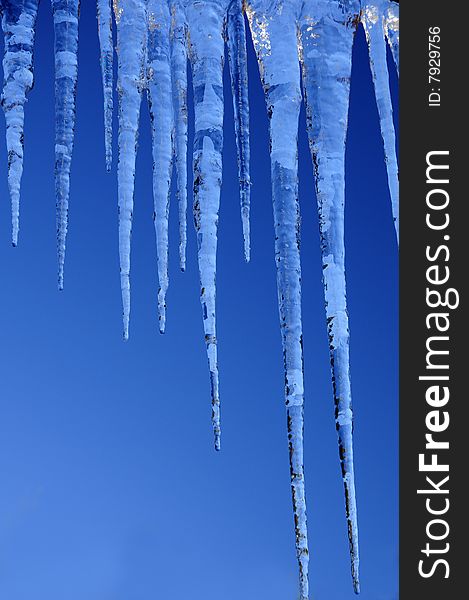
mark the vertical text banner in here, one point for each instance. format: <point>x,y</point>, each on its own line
<point>434,257</point>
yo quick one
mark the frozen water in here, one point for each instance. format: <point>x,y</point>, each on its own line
<point>157,41</point>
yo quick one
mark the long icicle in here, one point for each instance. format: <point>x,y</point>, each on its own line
<point>237,58</point>
<point>18,24</point>
<point>131,22</point>
<point>275,39</point>
<point>179,82</point>
<point>206,53</point>
<point>161,113</point>
<point>104,11</point>
<point>373,21</point>
<point>65,13</point>
<point>391,27</point>
<point>327,30</point>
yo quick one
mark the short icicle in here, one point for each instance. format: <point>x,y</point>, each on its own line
<point>131,20</point>
<point>161,113</point>
<point>237,58</point>
<point>275,39</point>
<point>65,13</point>
<point>206,52</point>
<point>107,53</point>
<point>373,21</point>
<point>179,83</point>
<point>326,36</point>
<point>18,24</point>
<point>391,28</point>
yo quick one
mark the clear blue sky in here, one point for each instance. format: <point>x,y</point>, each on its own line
<point>109,485</point>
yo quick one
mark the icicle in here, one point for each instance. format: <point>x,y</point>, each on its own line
<point>107,52</point>
<point>206,53</point>
<point>161,113</point>
<point>237,58</point>
<point>274,31</point>
<point>326,38</point>
<point>65,13</point>
<point>373,21</point>
<point>179,82</point>
<point>18,24</point>
<point>391,27</point>
<point>131,22</point>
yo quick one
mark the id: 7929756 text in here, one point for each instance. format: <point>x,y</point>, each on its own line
<point>434,65</point>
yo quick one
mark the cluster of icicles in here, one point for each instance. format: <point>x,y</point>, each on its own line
<point>156,40</point>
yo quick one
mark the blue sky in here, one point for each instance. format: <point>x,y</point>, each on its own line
<point>110,487</point>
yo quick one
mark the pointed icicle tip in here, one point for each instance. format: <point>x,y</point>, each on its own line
<point>278,62</point>
<point>216,413</point>
<point>215,396</point>
<point>125,332</point>
<point>246,236</point>
<point>160,98</point>
<point>374,24</point>
<point>15,229</point>
<point>206,56</point>
<point>66,16</point>
<point>125,289</point>
<point>324,30</point>
<point>162,321</point>
<point>237,58</point>
<point>107,53</point>
<point>18,22</point>
<point>178,41</point>
<point>162,304</point>
<point>131,44</point>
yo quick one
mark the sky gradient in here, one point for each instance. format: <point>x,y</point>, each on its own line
<point>110,487</point>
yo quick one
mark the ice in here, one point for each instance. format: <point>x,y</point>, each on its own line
<point>206,19</point>
<point>131,20</point>
<point>374,22</point>
<point>158,68</point>
<point>179,82</point>
<point>391,28</point>
<point>18,24</point>
<point>65,13</point>
<point>237,58</point>
<point>274,31</point>
<point>327,30</point>
<point>156,40</point>
<point>107,53</point>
